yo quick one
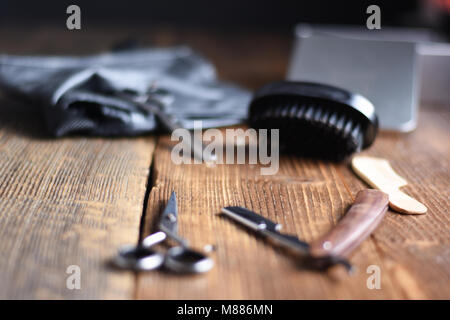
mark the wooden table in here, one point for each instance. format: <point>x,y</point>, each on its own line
<point>75,200</point>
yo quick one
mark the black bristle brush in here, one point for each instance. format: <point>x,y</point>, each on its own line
<point>315,120</point>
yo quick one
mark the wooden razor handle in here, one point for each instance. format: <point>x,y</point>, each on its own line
<point>361,219</point>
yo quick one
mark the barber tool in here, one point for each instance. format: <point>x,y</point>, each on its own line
<point>154,101</point>
<point>361,219</point>
<point>379,174</point>
<point>180,259</point>
<point>314,119</point>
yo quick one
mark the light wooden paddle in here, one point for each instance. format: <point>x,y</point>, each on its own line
<point>379,174</point>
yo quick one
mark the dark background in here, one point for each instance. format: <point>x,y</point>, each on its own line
<point>281,14</point>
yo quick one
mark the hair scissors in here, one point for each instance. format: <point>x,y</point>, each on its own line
<point>180,258</point>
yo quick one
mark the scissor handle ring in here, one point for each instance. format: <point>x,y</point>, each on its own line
<point>184,260</point>
<point>138,258</point>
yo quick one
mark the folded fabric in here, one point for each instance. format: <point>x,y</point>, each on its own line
<point>75,92</point>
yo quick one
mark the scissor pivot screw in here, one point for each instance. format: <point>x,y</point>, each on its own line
<point>327,245</point>
<point>172,217</point>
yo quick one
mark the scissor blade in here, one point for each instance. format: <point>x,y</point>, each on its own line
<point>169,217</point>
<point>265,227</point>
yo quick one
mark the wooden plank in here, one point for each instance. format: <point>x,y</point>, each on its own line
<point>69,201</point>
<point>79,199</point>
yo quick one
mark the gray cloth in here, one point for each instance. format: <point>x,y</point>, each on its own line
<point>72,90</point>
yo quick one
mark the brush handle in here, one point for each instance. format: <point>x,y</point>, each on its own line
<point>361,219</point>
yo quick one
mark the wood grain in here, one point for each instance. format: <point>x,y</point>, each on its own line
<point>308,197</point>
<point>76,200</point>
<point>69,201</point>
<point>63,202</point>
